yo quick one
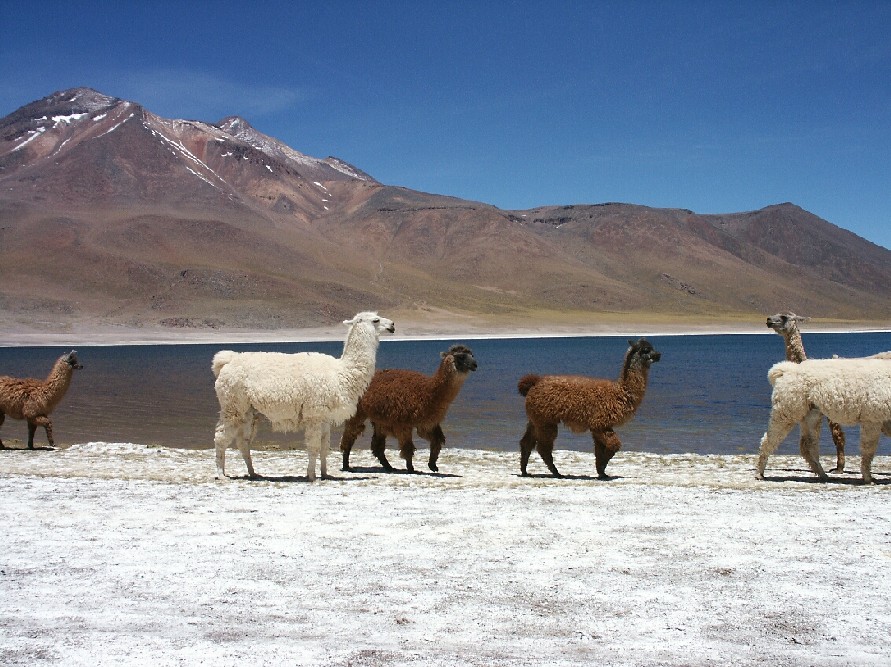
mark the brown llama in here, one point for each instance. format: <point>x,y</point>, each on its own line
<point>34,400</point>
<point>584,404</point>
<point>399,401</point>
<point>786,325</point>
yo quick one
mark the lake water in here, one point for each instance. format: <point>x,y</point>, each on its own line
<point>709,393</point>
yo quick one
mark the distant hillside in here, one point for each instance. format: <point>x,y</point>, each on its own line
<point>113,215</point>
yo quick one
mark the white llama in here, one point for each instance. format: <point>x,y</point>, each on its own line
<point>307,390</point>
<point>847,391</point>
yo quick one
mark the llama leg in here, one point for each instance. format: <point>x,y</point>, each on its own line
<point>46,423</point>
<point>378,444</point>
<point>777,430</point>
<point>869,442</point>
<point>838,437</point>
<point>313,439</point>
<point>352,429</point>
<point>436,438</point>
<point>810,441</point>
<point>2,419</point>
<point>406,448</point>
<point>545,435</point>
<point>527,443</point>
<point>244,433</point>
<point>323,450</point>
<point>223,435</point>
<point>606,444</point>
<point>252,432</point>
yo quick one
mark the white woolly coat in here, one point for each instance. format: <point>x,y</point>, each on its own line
<point>291,390</point>
<point>847,391</point>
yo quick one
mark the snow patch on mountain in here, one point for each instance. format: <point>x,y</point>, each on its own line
<point>116,126</point>
<point>34,134</point>
<point>68,119</point>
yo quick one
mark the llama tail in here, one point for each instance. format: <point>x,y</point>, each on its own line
<point>777,370</point>
<point>527,382</point>
<point>220,359</point>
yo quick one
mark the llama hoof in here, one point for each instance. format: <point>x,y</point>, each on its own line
<point>433,467</point>
<point>604,477</point>
<point>409,467</point>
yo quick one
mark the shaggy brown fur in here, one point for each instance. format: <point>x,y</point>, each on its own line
<point>786,325</point>
<point>399,401</point>
<point>33,400</point>
<point>584,404</point>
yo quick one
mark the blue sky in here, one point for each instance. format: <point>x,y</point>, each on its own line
<point>713,106</point>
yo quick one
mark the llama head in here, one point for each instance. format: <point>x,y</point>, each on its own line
<point>643,352</point>
<point>379,323</point>
<point>784,323</point>
<point>71,360</point>
<point>462,358</point>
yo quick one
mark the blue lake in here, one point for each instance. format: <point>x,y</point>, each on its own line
<point>709,393</point>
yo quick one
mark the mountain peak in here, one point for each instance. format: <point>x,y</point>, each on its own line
<point>234,125</point>
<point>78,100</point>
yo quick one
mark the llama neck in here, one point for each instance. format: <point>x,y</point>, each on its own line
<point>360,351</point>
<point>57,382</point>
<point>794,346</point>
<point>634,382</point>
<point>447,384</point>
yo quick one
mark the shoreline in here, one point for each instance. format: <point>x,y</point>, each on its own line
<point>105,336</point>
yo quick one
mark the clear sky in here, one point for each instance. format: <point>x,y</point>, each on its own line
<point>713,106</point>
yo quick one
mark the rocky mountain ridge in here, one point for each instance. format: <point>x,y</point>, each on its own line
<point>113,215</point>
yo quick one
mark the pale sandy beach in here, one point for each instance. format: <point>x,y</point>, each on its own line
<point>121,554</point>
<point>12,334</point>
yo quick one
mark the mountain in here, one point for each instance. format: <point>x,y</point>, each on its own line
<point>110,214</point>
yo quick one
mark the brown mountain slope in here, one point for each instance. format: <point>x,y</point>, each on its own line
<point>780,256</point>
<point>110,214</point>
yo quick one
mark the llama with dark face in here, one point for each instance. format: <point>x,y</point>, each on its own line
<point>584,404</point>
<point>397,402</point>
<point>34,400</point>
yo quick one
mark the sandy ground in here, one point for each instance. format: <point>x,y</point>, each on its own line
<point>121,554</point>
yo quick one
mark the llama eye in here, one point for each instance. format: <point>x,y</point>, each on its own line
<point>376,320</point>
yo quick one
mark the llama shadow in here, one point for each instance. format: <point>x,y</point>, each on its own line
<point>378,470</point>
<point>581,478</point>
<point>24,448</point>
<point>291,479</point>
<point>807,477</point>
